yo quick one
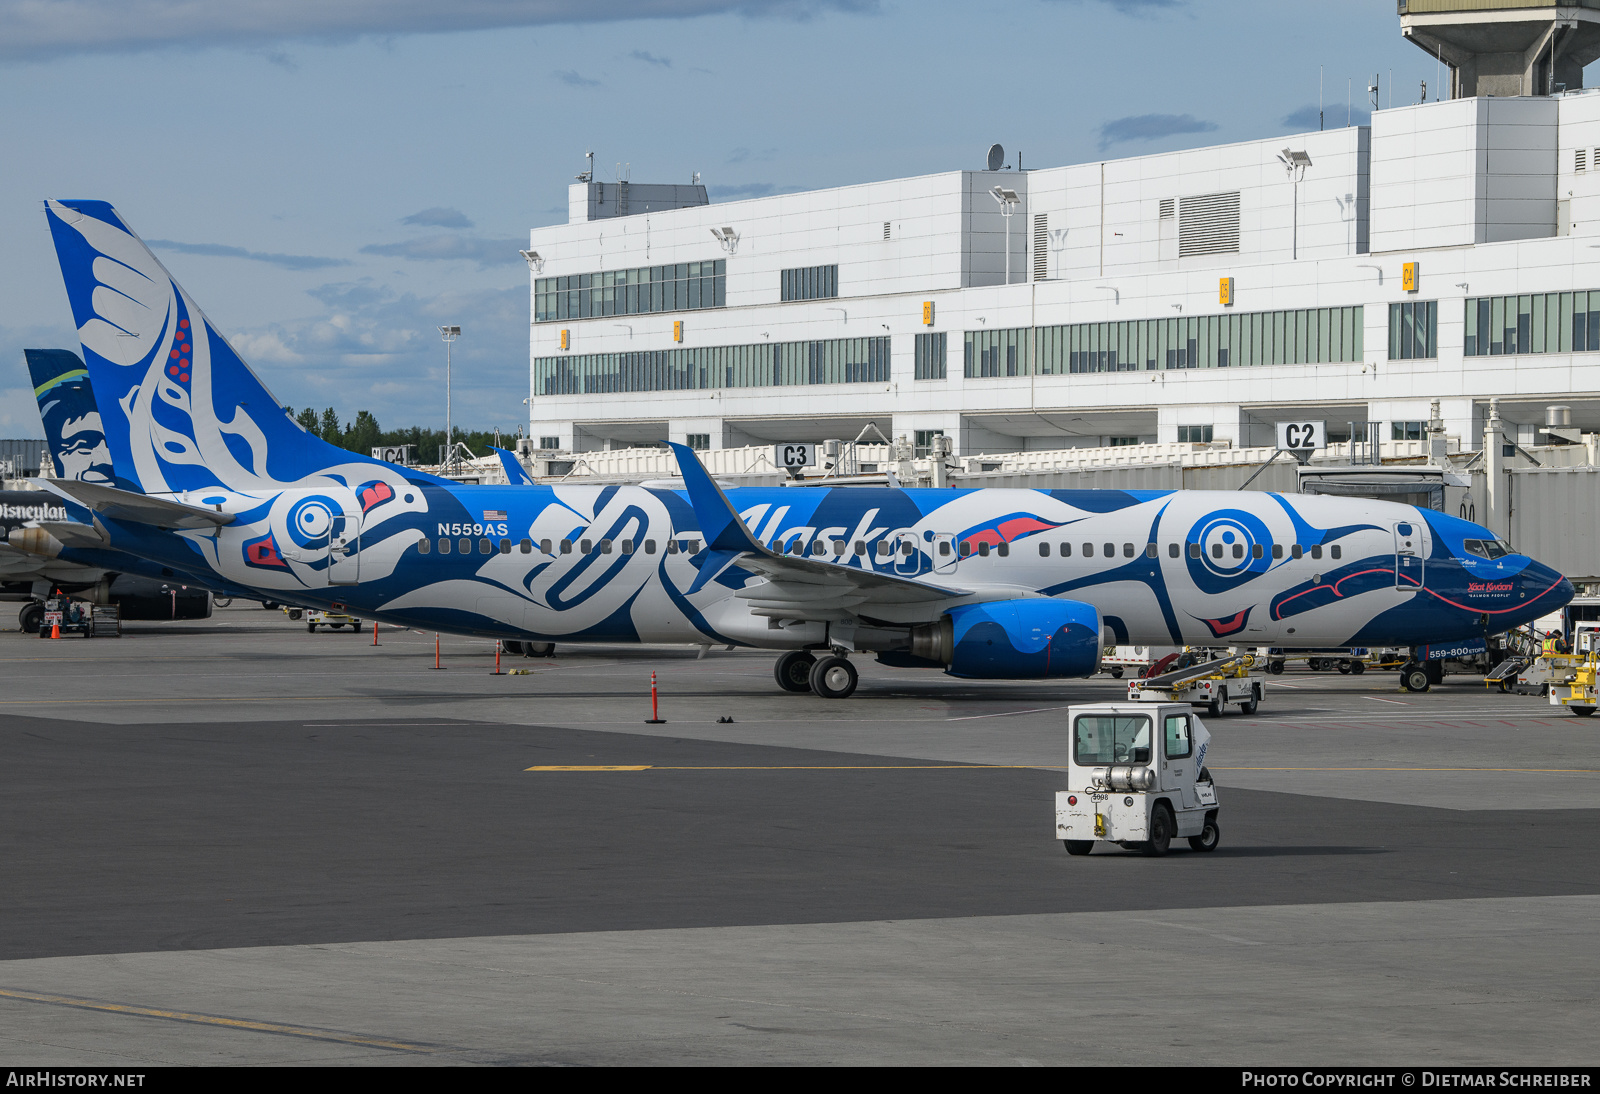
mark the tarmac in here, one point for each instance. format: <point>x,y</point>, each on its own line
<point>230,841</point>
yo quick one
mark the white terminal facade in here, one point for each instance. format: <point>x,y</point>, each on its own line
<point>1195,296</point>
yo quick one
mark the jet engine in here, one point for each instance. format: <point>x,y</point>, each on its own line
<point>1013,639</point>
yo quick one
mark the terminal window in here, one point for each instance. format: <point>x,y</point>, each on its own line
<point>685,286</point>
<point>809,283</point>
<point>1556,322</point>
<point>1413,330</point>
<point>700,442</point>
<point>767,364</point>
<point>930,356</point>
<point>1194,434</point>
<point>1408,431</point>
<point>925,441</point>
<point>551,443</point>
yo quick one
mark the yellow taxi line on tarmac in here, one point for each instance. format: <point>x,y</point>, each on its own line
<point>785,767</point>
<point>210,1020</point>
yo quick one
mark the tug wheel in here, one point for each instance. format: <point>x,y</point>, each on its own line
<point>1161,825</point>
<point>1078,846</point>
<point>1208,838</point>
<point>1582,712</point>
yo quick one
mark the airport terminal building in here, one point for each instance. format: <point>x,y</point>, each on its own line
<point>1450,251</point>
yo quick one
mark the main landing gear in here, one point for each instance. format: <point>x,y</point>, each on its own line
<point>830,676</point>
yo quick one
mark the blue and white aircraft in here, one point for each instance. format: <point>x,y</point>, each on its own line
<point>215,478</point>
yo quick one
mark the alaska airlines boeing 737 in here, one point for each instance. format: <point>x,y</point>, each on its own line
<point>214,478</point>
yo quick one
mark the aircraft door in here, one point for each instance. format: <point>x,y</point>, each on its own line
<point>1408,556</point>
<point>944,553</point>
<point>908,558</point>
<point>344,549</point>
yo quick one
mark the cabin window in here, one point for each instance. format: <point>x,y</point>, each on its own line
<point>586,547</point>
<point>907,548</point>
<point>944,548</point>
<point>818,547</point>
<point>605,546</point>
<point>1257,551</point>
<point>444,546</point>
<point>1194,550</point>
<point>566,546</point>
<point>1088,550</point>
<point>649,546</point>
<point>1044,550</point>
<point>1238,550</point>
<point>983,550</point>
<point>692,546</point>
<point>1004,549</point>
<point>627,546</point>
<point>466,546</point>
<point>1298,550</point>
<point>1066,550</point>
<point>424,546</point>
<point>861,547</point>
<point>1216,550</point>
<point>966,548</point>
<point>1172,550</point>
<point>1127,550</point>
<point>526,546</point>
<point>1334,551</point>
<point>1277,550</point>
<point>485,547</point>
<point>505,546</point>
<point>672,546</point>
<point>1316,550</point>
<point>1111,550</point>
<point>839,547</point>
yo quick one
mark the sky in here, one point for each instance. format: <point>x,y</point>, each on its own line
<point>331,180</point>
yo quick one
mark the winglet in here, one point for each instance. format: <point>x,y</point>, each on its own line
<point>515,475</point>
<point>719,520</point>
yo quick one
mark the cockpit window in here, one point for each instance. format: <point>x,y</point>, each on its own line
<point>1490,549</point>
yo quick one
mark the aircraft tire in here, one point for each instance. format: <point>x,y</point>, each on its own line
<point>1208,838</point>
<point>31,618</point>
<point>538,649</point>
<point>1078,846</point>
<point>793,671</point>
<point>511,648</point>
<point>1582,712</point>
<point>834,677</point>
<point>1161,826</point>
<point>1415,679</point>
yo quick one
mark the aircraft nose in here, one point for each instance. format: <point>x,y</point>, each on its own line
<point>1548,590</point>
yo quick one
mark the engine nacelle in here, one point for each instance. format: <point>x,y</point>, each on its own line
<point>1013,639</point>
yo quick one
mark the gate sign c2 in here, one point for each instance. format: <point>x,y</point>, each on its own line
<point>1302,436</point>
<point>797,455</point>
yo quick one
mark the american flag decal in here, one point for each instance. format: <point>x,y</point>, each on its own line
<point>494,514</point>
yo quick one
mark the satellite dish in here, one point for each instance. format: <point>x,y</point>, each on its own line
<point>997,157</point>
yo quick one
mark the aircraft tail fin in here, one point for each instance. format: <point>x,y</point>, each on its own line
<point>72,426</point>
<point>181,410</point>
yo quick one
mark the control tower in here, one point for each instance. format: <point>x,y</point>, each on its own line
<point>1506,47</point>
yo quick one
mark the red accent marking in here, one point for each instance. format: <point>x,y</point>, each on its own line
<point>1021,526</point>
<point>988,535</point>
<point>375,494</point>
<point>185,347</point>
<point>173,370</point>
<point>183,323</point>
<point>174,353</point>
<point>184,377</point>
<point>1224,627</point>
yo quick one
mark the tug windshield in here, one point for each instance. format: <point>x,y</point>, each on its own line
<point>1109,738</point>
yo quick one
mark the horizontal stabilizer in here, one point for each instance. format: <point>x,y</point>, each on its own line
<point>125,505</point>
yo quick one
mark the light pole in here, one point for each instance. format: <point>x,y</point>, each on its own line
<point>1295,163</point>
<point>1009,201</point>
<point>449,334</point>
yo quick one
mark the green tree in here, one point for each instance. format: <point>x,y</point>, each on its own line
<point>308,420</point>
<point>330,428</point>
<point>363,434</point>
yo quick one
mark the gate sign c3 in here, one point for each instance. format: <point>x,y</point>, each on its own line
<point>794,456</point>
<point>1302,436</point>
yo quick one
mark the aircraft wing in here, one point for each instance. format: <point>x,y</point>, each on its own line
<point>797,587</point>
<point>136,508</point>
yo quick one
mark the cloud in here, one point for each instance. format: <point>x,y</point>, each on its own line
<point>650,58</point>
<point>744,155</point>
<point>372,348</point>
<point>576,80</point>
<point>1151,127</point>
<point>219,250</point>
<point>750,190</point>
<point>439,217</point>
<point>1305,119</point>
<point>485,252</point>
<point>1141,7</point>
<point>36,29</point>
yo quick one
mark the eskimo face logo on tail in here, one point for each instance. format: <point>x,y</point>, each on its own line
<point>1229,542</point>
